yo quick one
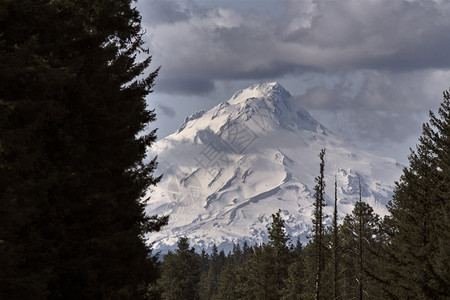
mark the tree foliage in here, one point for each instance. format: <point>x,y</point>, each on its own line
<point>358,234</point>
<point>72,175</point>
<point>419,240</point>
<point>180,273</point>
<point>318,226</point>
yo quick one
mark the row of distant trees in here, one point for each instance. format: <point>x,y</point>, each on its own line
<point>279,269</point>
<point>73,138</point>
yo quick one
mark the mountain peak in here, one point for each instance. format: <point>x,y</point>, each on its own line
<point>272,102</point>
<point>260,90</point>
<point>262,107</point>
<point>229,168</point>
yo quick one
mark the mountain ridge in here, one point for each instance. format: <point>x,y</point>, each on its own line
<point>226,170</point>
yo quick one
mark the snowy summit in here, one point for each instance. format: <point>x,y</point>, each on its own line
<point>228,169</point>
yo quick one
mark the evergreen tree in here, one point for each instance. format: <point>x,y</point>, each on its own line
<point>72,176</point>
<point>359,233</point>
<point>204,259</point>
<point>229,282</point>
<point>252,275</point>
<point>318,227</point>
<point>294,283</point>
<point>335,245</point>
<point>310,268</point>
<point>180,273</point>
<point>210,278</point>
<point>317,251</point>
<point>265,273</point>
<point>237,257</point>
<point>247,251</point>
<point>279,253</point>
<point>418,248</point>
<point>244,274</point>
<point>297,249</point>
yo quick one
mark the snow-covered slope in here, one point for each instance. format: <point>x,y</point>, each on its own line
<point>228,169</point>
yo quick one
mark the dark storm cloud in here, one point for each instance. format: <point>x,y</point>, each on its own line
<point>167,110</point>
<point>390,57</point>
<point>162,11</point>
<point>380,107</point>
<point>376,91</point>
<point>322,35</point>
<point>394,35</point>
<point>185,85</point>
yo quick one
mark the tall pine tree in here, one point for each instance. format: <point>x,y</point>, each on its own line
<point>418,249</point>
<point>280,257</point>
<point>316,251</point>
<point>358,235</point>
<point>72,176</point>
<point>335,244</point>
<point>318,227</point>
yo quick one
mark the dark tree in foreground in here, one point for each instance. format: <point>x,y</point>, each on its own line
<point>72,176</point>
<point>419,246</point>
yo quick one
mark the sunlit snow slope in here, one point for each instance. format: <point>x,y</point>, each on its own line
<point>227,170</point>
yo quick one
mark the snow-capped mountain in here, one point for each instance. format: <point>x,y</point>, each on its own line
<point>227,170</point>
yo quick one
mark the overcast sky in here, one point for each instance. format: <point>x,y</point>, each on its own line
<point>369,70</point>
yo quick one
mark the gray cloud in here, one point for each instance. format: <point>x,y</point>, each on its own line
<point>381,107</point>
<point>325,36</point>
<point>167,110</point>
<point>185,85</point>
<point>369,70</point>
<point>164,11</point>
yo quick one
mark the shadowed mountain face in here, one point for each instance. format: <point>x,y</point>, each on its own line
<point>228,169</point>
